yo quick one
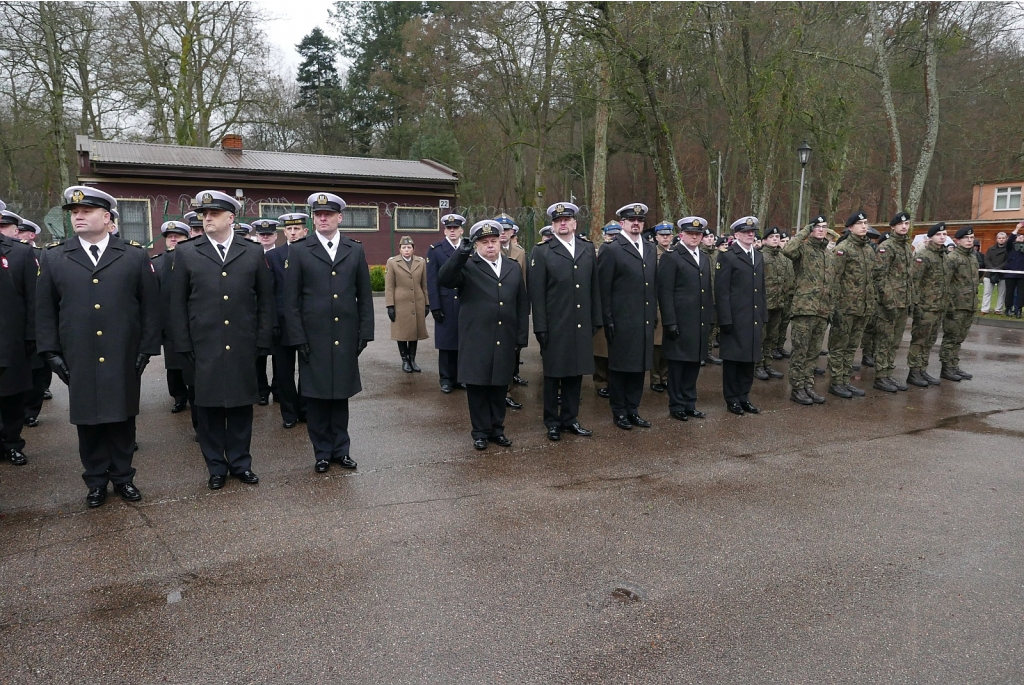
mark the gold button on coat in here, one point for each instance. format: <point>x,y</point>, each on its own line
<point>96,306</point>
<point>95,280</point>
<point>225,297</point>
<point>227,347</point>
<point>102,360</point>
<point>99,332</point>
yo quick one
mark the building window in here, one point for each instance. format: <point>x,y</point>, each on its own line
<point>272,210</point>
<point>360,218</point>
<point>1007,198</point>
<point>136,221</point>
<point>421,219</point>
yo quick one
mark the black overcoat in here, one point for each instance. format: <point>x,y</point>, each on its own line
<point>18,269</point>
<point>276,259</point>
<point>328,306</point>
<point>99,318</point>
<point>565,295</point>
<point>629,300</point>
<point>740,301</point>
<point>222,312</point>
<point>446,333</point>
<point>164,263</point>
<point>684,298</point>
<point>494,317</point>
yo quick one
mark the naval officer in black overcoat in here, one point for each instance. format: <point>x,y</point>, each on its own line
<point>444,303</point>
<point>174,363</point>
<point>97,325</point>
<point>741,307</point>
<point>222,316</point>
<point>494,320</point>
<point>687,311</point>
<point>627,266</point>
<point>566,299</point>
<point>329,319</point>
<point>18,269</point>
<point>293,405</point>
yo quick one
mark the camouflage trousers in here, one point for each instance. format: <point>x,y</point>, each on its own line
<point>890,324</point>
<point>659,370</point>
<point>956,324</point>
<point>773,335</point>
<point>807,334</point>
<point>923,333</point>
<point>843,342</point>
<point>869,341</point>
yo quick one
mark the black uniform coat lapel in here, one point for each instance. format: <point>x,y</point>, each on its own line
<point>740,302</point>
<point>17,314</point>
<point>684,297</point>
<point>629,302</point>
<point>446,332</point>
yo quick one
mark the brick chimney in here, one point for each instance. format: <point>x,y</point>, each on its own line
<point>232,143</point>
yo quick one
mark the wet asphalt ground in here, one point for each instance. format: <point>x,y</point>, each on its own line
<point>874,540</point>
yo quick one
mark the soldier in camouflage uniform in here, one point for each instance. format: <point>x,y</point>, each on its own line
<point>778,287</point>
<point>709,246</point>
<point>869,341</point>
<point>814,271</point>
<point>663,234</point>
<point>895,286</point>
<point>855,302</point>
<point>931,290</point>
<point>963,295</point>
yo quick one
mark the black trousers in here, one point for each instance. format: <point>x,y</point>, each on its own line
<point>1014,293</point>
<point>225,436</point>
<point>293,405</point>
<point>265,386</point>
<point>12,413</point>
<point>682,385</point>
<point>176,387</point>
<point>191,390</point>
<point>41,378</point>
<point>448,365</point>
<point>737,378</point>
<point>106,450</point>
<point>625,389</point>
<point>487,410</point>
<point>570,387</point>
<point>327,423</point>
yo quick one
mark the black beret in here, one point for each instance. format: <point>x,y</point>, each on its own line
<point>899,218</point>
<point>820,219</point>
<point>854,218</point>
<point>941,226</point>
<point>964,232</point>
<point>774,230</point>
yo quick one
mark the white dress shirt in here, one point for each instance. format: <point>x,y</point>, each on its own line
<point>330,245</point>
<point>226,244</point>
<point>570,246</point>
<point>639,245</point>
<point>749,253</point>
<point>694,253</point>
<point>496,264</point>
<point>102,245</point>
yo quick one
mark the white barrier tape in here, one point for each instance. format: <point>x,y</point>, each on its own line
<point>1002,271</point>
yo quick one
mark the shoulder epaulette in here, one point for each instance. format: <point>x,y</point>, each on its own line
<point>299,240</point>
<point>541,242</point>
<point>355,241</point>
<point>25,242</point>
<point>134,243</point>
<point>584,238</point>
<point>55,243</point>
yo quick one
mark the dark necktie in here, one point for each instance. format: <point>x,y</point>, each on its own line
<point>95,249</point>
<point>223,252</point>
<point>330,244</point>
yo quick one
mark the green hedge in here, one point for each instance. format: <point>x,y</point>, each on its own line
<point>377,278</point>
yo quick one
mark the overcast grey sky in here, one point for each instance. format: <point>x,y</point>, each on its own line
<point>291,21</point>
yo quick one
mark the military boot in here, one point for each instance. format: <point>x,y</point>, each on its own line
<point>900,385</point>
<point>915,377</point>
<point>949,373</point>
<point>868,360</point>
<point>815,397</point>
<point>884,384</point>
<point>799,395</point>
<point>839,390</point>
<point>760,374</point>
<point>785,355</point>
<point>818,371</point>
<point>932,380</point>
<point>963,374</point>
<point>776,354</point>
<point>857,392</point>
<point>772,373</point>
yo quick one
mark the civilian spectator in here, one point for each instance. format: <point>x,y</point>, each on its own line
<point>1014,281</point>
<point>994,287</point>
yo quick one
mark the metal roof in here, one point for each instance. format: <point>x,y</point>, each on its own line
<point>259,161</point>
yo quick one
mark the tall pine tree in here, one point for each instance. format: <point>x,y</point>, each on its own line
<point>320,89</point>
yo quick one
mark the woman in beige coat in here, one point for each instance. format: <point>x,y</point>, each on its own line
<point>405,294</point>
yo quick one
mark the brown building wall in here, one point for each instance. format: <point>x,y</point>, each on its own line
<point>983,202</point>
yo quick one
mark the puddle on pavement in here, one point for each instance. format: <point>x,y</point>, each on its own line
<point>995,422</point>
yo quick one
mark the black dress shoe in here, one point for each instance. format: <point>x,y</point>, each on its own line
<point>247,477</point>
<point>577,429</point>
<point>446,388</point>
<point>735,408</point>
<point>637,421</point>
<point>480,444</point>
<point>519,381</point>
<point>749,408</point>
<point>302,419</point>
<point>703,363</point>
<point>511,403</point>
<point>714,360</point>
<point>321,466</point>
<point>96,497</point>
<point>17,457</point>
<point>460,386</point>
<point>47,395</point>
<point>32,422</point>
<point>217,482</point>
<point>289,424</point>
<point>658,387</point>
<point>345,462</point>
<point>760,374</point>
<point>128,492</point>
<point>179,407</point>
<point>603,392</point>
<point>554,434</point>
<point>694,413</point>
<point>501,440</point>
<point>678,415</point>
<point>623,423</point>
<point>264,401</point>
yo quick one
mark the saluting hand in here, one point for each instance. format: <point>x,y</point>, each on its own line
<point>466,246</point>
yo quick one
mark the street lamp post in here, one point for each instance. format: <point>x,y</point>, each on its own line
<point>803,153</point>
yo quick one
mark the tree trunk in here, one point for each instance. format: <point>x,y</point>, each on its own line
<point>49,19</point>
<point>895,145</point>
<point>597,195</point>
<point>931,96</point>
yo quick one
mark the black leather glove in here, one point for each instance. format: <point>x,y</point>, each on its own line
<point>542,338</point>
<point>438,315</point>
<point>672,332</point>
<point>391,313</point>
<point>141,362</point>
<point>30,348</point>
<point>262,352</point>
<point>426,310</point>
<point>519,348</point>
<point>466,246</point>
<point>725,328</point>
<point>303,351</point>
<point>609,331</point>
<point>59,366</point>
<point>276,333</point>
<point>190,356</point>
<point>362,346</point>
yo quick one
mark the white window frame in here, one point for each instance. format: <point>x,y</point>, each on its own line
<point>376,219</point>
<point>437,222</point>
<point>1007,193</point>
<point>149,239</point>
<point>297,208</point>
